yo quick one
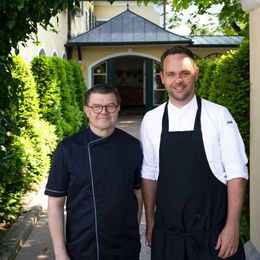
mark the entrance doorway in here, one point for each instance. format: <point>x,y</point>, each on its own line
<point>129,79</point>
<point>137,79</point>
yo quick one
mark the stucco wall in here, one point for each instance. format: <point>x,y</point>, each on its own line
<point>255,128</point>
<point>49,41</point>
<point>105,11</point>
<point>93,55</point>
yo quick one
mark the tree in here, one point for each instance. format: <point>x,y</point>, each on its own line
<point>19,20</point>
<point>232,19</point>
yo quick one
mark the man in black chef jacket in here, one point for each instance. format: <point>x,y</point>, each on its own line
<point>194,170</point>
<point>96,173</point>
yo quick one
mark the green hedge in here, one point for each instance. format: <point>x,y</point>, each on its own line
<point>61,90</point>
<point>45,75</point>
<point>80,88</point>
<point>207,69</point>
<point>231,86</point>
<point>226,82</point>
<point>39,105</point>
<point>27,146</point>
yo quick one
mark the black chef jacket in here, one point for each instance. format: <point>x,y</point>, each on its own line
<point>98,176</point>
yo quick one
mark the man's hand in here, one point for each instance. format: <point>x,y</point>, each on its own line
<point>228,241</point>
<point>149,231</point>
<point>62,257</point>
<point>149,197</point>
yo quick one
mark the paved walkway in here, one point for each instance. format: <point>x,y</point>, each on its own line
<point>38,244</point>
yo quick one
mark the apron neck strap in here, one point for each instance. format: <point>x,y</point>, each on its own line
<point>197,125</point>
<point>165,120</point>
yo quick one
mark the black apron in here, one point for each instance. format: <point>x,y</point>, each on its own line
<point>191,203</point>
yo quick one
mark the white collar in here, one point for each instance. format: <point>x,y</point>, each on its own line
<point>191,105</point>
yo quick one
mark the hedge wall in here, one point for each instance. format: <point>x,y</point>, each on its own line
<point>61,93</point>
<point>226,82</point>
<point>26,147</point>
<point>39,106</point>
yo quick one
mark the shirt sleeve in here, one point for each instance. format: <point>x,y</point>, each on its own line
<point>58,179</point>
<point>232,149</point>
<point>150,168</point>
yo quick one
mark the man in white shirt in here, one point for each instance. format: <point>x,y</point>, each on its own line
<point>194,170</point>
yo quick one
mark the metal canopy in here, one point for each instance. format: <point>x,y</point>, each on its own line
<point>215,40</point>
<point>127,28</point>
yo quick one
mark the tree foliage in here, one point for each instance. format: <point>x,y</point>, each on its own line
<point>232,19</point>
<point>19,20</point>
<point>26,140</point>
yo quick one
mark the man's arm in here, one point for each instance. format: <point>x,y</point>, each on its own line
<point>139,197</point>
<point>56,226</point>
<point>149,197</point>
<point>228,239</point>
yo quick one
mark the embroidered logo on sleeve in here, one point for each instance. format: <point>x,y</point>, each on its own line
<point>229,122</point>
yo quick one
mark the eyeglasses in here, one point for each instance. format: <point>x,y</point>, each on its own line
<point>110,108</point>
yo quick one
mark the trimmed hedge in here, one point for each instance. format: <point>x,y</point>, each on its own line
<point>207,69</point>
<point>45,75</point>
<point>27,149</point>
<point>226,82</point>
<point>231,87</point>
<point>61,89</point>
<point>36,111</point>
<point>80,88</point>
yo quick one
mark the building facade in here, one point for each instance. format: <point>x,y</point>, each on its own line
<point>121,44</point>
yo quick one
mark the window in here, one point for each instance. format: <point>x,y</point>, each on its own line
<point>100,22</point>
<point>100,73</point>
<point>158,87</point>
<point>213,56</point>
<point>91,19</point>
<point>42,52</point>
<point>197,57</point>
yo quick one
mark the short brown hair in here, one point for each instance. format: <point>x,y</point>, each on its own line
<point>103,89</point>
<point>177,50</point>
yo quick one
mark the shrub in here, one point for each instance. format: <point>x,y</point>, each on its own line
<point>232,88</point>
<point>27,146</point>
<point>79,88</point>
<point>60,93</point>
<point>207,69</point>
<point>45,75</point>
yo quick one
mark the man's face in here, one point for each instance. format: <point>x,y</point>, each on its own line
<point>179,76</point>
<point>103,123</point>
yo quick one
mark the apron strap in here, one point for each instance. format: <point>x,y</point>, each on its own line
<point>197,124</point>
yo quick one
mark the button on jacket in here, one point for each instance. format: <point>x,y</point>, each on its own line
<point>222,141</point>
<point>98,177</point>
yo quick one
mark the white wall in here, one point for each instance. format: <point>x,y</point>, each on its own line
<point>255,128</point>
<point>49,41</point>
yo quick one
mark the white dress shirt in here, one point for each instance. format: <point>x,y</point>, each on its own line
<point>223,144</point>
